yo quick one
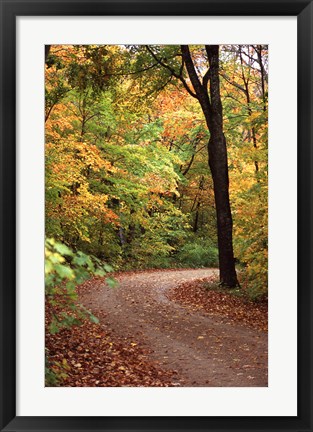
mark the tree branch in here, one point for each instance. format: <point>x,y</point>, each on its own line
<point>133,72</point>
<point>176,75</point>
<point>191,70</point>
<point>233,83</point>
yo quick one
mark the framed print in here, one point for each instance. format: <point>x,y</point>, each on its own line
<point>150,236</point>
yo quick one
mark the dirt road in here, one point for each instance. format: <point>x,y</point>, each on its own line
<point>202,349</point>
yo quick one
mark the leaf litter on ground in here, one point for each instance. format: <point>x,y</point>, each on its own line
<point>231,305</point>
<point>90,355</point>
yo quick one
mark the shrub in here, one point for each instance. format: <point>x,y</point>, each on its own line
<point>198,253</point>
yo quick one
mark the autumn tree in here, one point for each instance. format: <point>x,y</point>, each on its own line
<point>203,84</point>
<point>244,88</point>
<point>110,181</point>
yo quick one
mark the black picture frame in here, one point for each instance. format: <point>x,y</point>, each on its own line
<point>303,10</point>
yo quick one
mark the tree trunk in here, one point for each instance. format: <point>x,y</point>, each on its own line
<point>47,51</point>
<point>195,224</point>
<point>218,166</point>
<point>212,109</point>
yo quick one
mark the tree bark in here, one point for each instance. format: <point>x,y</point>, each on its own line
<point>247,94</point>
<point>212,109</point>
<point>47,50</point>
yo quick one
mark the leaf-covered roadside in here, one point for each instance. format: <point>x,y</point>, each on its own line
<point>90,356</point>
<point>79,351</point>
<point>204,295</point>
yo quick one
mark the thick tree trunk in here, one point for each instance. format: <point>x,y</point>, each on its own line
<point>212,109</point>
<point>218,166</point>
<point>47,50</point>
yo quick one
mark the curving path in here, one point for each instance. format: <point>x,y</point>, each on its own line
<point>202,349</point>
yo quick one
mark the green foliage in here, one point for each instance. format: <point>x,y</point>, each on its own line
<point>152,242</point>
<point>55,372</point>
<point>198,253</point>
<point>64,269</point>
<point>251,246</point>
